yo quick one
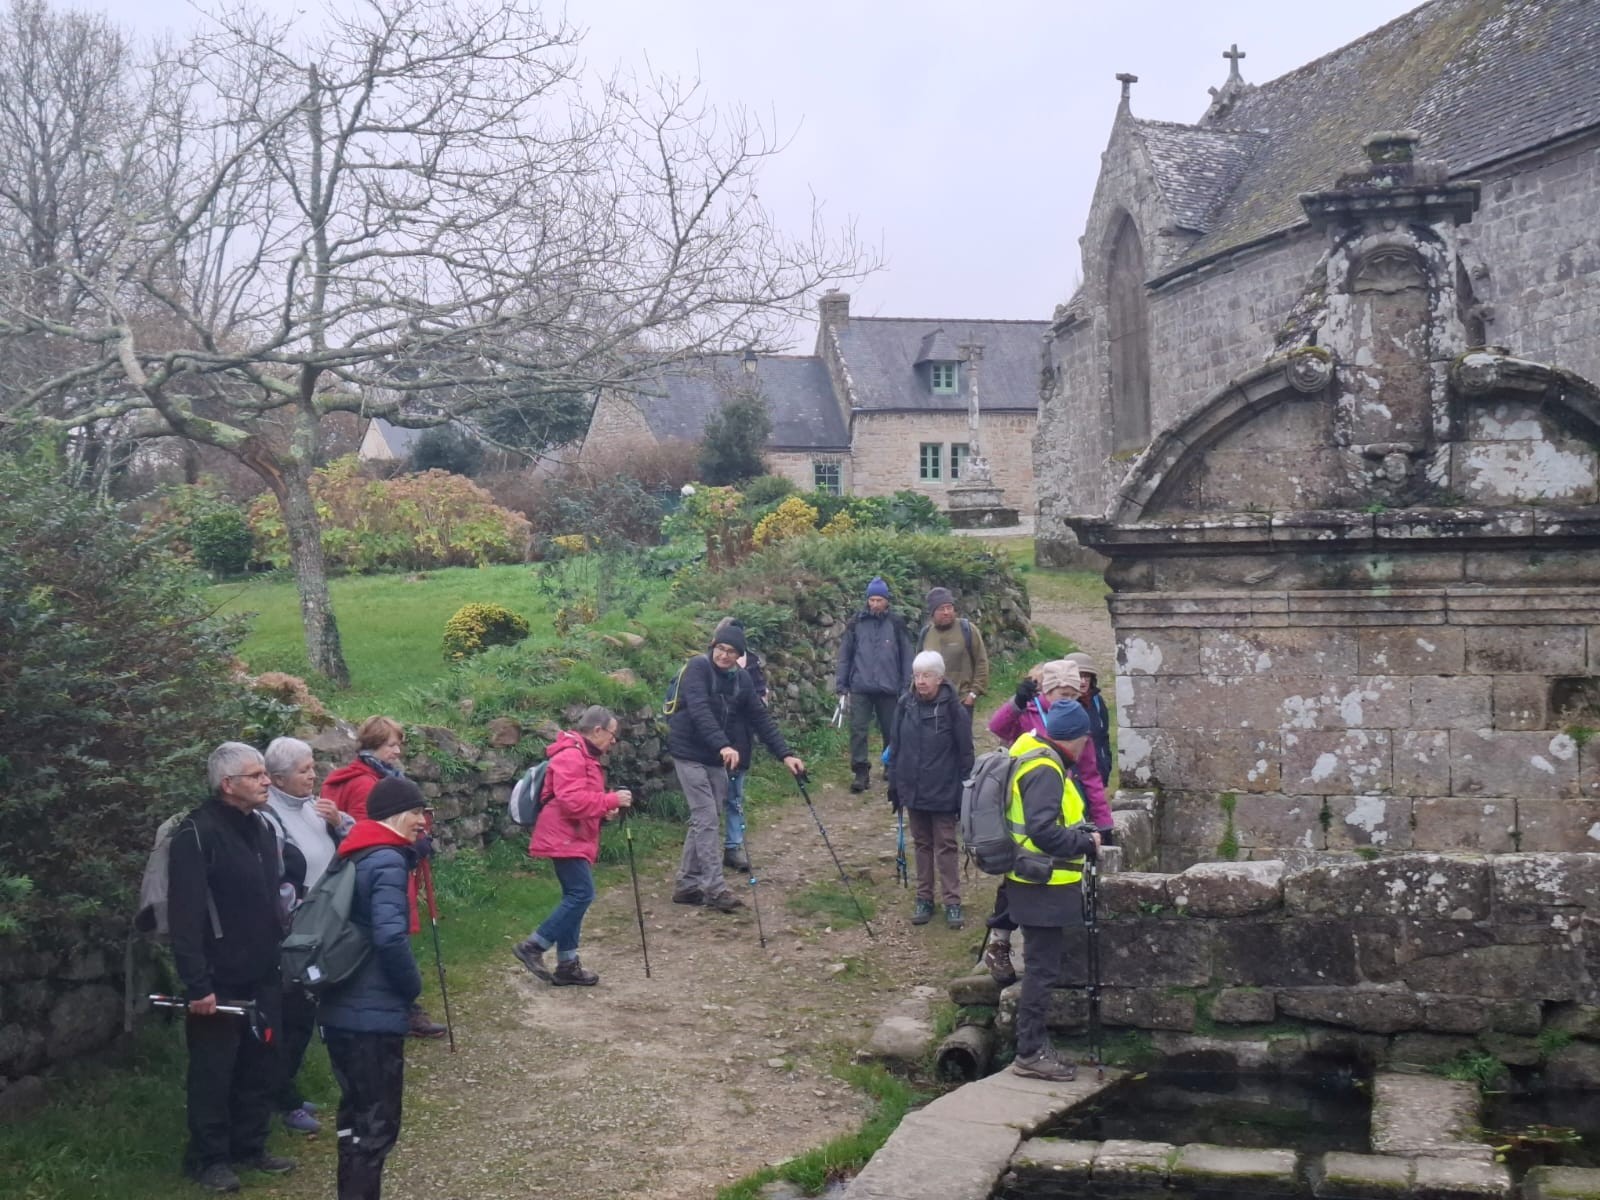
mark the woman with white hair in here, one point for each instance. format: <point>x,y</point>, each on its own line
<point>931,742</point>
<point>308,830</point>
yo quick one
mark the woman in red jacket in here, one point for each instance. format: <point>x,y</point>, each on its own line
<point>567,832</point>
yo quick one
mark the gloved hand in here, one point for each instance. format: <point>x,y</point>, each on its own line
<point>894,799</point>
<point>1108,835</point>
<point>1026,691</point>
<point>424,846</point>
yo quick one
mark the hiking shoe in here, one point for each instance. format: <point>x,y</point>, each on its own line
<point>299,1120</point>
<point>952,916</point>
<point>862,780</point>
<point>725,902</point>
<point>424,1026</point>
<point>691,895</point>
<point>735,859</point>
<point>997,961</point>
<point>272,1164</point>
<point>922,913</point>
<point>570,973</point>
<point>311,1107</point>
<point>532,957</point>
<point>218,1177</point>
<point>1046,1064</point>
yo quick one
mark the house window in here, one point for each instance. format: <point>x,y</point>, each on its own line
<point>930,460</point>
<point>944,378</point>
<point>825,477</point>
<point>959,453</point>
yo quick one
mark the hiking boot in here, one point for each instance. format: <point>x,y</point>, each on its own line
<point>997,961</point>
<point>570,973</point>
<point>922,913</point>
<point>218,1177</point>
<point>311,1107</point>
<point>862,780</point>
<point>532,957</point>
<point>424,1026</point>
<point>271,1164</point>
<point>299,1120</point>
<point>725,902</point>
<point>691,895</point>
<point>735,859</point>
<point>1046,1064</point>
<point>952,916</point>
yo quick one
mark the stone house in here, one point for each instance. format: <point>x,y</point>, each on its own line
<point>880,405</point>
<point>1197,253</point>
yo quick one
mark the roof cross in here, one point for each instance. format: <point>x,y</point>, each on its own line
<point>1127,81</point>
<point>1233,54</point>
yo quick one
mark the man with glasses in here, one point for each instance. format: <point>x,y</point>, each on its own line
<point>223,905</point>
<point>715,698</point>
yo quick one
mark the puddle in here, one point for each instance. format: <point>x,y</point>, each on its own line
<point>1543,1128</point>
<point>1309,1113</point>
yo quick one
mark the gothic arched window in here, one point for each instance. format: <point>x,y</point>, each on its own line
<point>1128,325</point>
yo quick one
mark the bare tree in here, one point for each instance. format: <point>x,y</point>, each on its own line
<point>425,211</point>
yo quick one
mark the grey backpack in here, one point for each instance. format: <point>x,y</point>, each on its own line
<point>985,832</point>
<point>152,916</point>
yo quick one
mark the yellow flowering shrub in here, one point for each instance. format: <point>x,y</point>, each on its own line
<point>475,627</point>
<point>790,519</point>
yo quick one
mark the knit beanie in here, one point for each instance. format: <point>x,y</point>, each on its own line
<point>729,633</point>
<point>938,596</point>
<point>390,797</point>
<point>877,588</point>
<point>1059,673</point>
<point>1066,721</point>
<point>1085,663</point>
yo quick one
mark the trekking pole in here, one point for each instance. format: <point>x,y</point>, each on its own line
<point>638,904</point>
<point>240,1008</point>
<point>900,870</point>
<point>800,782</point>
<point>1091,925</point>
<point>426,867</point>
<point>755,891</point>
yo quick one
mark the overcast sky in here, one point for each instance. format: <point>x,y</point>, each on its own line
<point>963,137</point>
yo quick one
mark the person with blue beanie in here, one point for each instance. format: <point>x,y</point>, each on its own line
<point>874,668</point>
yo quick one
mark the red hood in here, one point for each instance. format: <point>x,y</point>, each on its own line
<point>351,770</point>
<point>369,834</point>
<point>567,738</point>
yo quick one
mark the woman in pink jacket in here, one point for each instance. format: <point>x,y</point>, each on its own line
<point>1051,681</point>
<point>567,832</point>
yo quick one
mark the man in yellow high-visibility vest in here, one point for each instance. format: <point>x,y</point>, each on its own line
<point>1045,812</point>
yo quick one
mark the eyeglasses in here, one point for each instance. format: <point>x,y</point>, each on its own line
<point>251,775</point>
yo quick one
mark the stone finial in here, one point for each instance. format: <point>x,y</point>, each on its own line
<point>1233,54</point>
<point>1127,81</point>
<point>1391,146</point>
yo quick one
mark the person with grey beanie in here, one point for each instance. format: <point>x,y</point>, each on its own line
<point>959,642</point>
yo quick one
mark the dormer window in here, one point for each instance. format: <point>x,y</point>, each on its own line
<point>943,375</point>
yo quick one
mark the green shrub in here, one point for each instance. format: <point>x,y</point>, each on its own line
<point>221,540</point>
<point>475,627</point>
<point>447,449</point>
<point>735,439</point>
<point>115,685</point>
<point>764,491</point>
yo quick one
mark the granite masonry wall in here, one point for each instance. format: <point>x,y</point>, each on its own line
<point>884,458</point>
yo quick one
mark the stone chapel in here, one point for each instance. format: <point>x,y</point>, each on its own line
<point>1199,262</point>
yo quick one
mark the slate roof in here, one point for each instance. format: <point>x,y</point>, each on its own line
<point>796,388</point>
<point>1196,168</point>
<point>1481,80</point>
<point>880,356</point>
<point>399,439</point>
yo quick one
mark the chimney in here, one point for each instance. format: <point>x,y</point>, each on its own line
<point>833,310</point>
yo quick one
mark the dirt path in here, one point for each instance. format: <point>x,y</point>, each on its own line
<point>1090,629</point>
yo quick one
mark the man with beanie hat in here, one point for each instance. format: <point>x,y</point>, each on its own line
<point>959,643</point>
<point>874,668</point>
<point>1045,811</point>
<point>365,1019</point>
<point>714,698</point>
<point>1099,713</point>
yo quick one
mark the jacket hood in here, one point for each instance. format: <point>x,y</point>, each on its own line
<point>564,739</point>
<point>945,695</point>
<point>369,835</point>
<point>351,770</point>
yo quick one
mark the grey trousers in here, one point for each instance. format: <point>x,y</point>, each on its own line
<point>705,788</point>
<point>1041,955</point>
<point>864,707</point>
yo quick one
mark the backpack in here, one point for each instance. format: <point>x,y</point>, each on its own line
<point>152,915</point>
<point>669,702</point>
<point>528,797</point>
<point>985,832</point>
<point>325,947</point>
<point>966,636</point>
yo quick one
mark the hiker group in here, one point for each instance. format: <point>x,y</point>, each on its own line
<point>289,912</point>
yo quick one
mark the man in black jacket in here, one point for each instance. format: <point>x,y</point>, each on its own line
<point>222,898</point>
<point>715,698</point>
<point>874,668</point>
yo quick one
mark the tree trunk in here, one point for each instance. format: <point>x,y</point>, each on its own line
<point>293,490</point>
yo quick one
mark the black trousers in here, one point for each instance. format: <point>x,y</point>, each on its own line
<point>1041,951</point>
<point>1001,917</point>
<point>371,1070</point>
<point>299,1021</point>
<point>863,708</point>
<point>232,1073</point>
